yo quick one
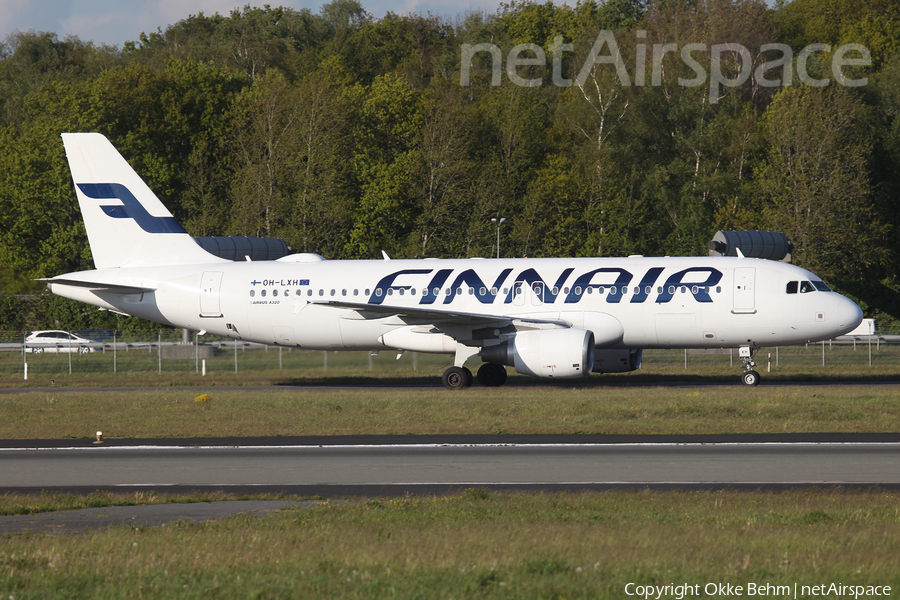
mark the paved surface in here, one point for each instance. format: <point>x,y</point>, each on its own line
<point>450,463</point>
<point>342,466</point>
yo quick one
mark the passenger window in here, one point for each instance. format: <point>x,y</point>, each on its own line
<point>274,293</point>
<point>252,293</point>
<point>378,292</point>
<point>263,293</point>
<point>792,287</point>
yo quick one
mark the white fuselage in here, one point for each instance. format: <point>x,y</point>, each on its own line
<point>634,302</point>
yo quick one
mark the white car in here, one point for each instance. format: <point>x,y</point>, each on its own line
<point>58,341</point>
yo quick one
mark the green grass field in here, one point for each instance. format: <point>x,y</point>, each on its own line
<point>478,545</point>
<point>176,413</point>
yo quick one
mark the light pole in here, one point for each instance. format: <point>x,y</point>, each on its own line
<point>498,223</point>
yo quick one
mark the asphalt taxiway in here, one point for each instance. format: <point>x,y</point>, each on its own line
<point>416,462</point>
<point>360,466</point>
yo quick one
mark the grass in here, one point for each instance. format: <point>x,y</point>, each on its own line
<point>527,410</point>
<point>477,545</point>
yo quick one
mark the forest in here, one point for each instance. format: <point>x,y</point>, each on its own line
<point>347,134</point>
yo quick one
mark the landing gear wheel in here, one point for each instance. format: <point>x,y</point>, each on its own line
<point>457,378</point>
<point>751,378</point>
<point>491,375</point>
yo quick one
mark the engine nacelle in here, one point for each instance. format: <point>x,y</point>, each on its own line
<point>546,353</point>
<point>617,361</point>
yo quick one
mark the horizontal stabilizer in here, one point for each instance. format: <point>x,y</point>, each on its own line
<point>115,288</point>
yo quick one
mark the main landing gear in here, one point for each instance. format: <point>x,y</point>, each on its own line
<point>750,377</point>
<point>459,378</point>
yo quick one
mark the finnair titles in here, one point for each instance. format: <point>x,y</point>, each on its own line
<point>553,317</point>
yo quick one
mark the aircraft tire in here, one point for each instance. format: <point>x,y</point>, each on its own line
<point>457,378</point>
<point>491,375</point>
<point>751,378</point>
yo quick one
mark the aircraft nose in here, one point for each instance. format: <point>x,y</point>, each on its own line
<point>850,315</point>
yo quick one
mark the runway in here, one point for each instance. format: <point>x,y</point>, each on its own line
<point>374,464</point>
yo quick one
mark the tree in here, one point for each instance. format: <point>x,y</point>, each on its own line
<point>815,183</point>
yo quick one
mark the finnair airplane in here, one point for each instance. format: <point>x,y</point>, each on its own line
<point>546,317</point>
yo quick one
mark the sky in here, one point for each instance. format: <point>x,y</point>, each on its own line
<point>114,22</point>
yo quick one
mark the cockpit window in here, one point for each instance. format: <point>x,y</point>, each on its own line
<point>820,285</point>
<point>792,287</point>
<point>806,287</point>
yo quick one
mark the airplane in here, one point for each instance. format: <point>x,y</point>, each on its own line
<point>547,317</point>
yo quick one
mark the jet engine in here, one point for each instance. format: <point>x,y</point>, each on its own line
<point>617,361</point>
<point>545,353</point>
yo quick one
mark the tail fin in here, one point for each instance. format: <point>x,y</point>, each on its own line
<point>125,221</point>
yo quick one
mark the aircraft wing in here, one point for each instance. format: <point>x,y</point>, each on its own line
<point>444,319</point>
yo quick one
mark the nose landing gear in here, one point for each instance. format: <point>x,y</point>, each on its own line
<point>750,377</point>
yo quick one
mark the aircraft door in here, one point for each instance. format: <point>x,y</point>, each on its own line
<point>744,289</point>
<point>210,285</point>
<point>519,288</point>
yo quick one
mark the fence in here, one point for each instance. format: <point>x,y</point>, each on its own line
<point>164,351</point>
